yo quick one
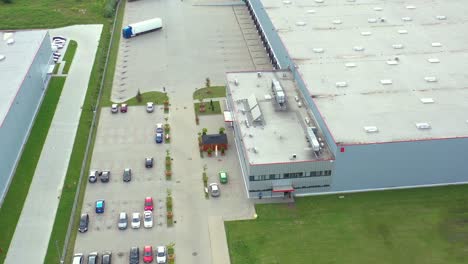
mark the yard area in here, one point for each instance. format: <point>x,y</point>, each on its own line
<point>427,225</point>
<point>210,92</point>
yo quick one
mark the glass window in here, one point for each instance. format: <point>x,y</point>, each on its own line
<point>313,173</point>
<point>272,176</point>
<point>251,178</point>
<point>286,175</point>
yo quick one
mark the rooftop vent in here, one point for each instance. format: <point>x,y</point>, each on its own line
<point>351,0</point>
<point>423,125</point>
<point>236,82</point>
<point>341,84</point>
<point>427,100</point>
<point>2,57</point>
<point>430,79</point>
<point>433,60</point>
<point>310,11</point>
<point>372,20</point>
<point>259,74</point>
<point>287,2</point>
<point>318,1</point>
<point>402,31</point>
<point>255,150</point>
<point>406,19</point>
<point>397,46</point>
<point>300,23</point>
<point>436,44</point>
<point>358,48</point>
<point>378,8</point>
<point>386,82</point>
<point>366,33</point>
<point>371,129</point>
<point>350,65</point>
<point>10,41</point>
<point>392,62</point>
<point>317,50</point>
<point>410,7</point>
<point>441,17</point>
<point>337,22</point>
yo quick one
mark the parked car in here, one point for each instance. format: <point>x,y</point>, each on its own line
<point>93,258</point>
<point>149,107</point>
<point>148,254</point>
<point>147,219</point>
<point>214,189</point>
<point>105,176</point>
<point>161,254</point>
<point>148,204</point>
<point>149,162</point>
<point>100,206</point>
<point>106,257</point>
<point>92,178</point>
<point>159,138</point>
<point>78,258</point>
<point>84,222</point>
<point>159,128</point>
<point>134,255</point>
<point>115,108</point>
<point>123,108</point>
<point>136,220</point>
<point>127,175</point>
<point>123,221</point>
<point>223,177</point>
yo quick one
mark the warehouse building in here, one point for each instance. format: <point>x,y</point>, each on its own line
<point>25,58</point>
<point>385,85</point>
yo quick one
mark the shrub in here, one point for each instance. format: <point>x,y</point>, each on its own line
<point>109,8</point>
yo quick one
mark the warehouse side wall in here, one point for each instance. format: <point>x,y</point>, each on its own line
<point>18,121</point>
<point>402,164</point>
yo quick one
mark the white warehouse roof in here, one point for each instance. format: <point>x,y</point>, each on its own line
<point>381,71</point>
<point>19,49</point>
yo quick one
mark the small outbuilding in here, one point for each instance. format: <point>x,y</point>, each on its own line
<point>213,141</point>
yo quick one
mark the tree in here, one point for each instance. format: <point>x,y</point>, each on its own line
<point>221,130</point>
<point>207,82</point>
<point>7,1</point>
<point>204,131</point>
<point>139,97</point>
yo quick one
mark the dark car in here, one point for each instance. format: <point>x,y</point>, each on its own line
<point>149,162</point>
<point>123,108</point>
<point>93,174</point>
<point>93,258</point>
<point>159,138</point>
<point>127,175</point>
<point>105,176</point>
<point>134,255</point>
<point>106,257</point>
<point>100,206</point>
<point>84,221</point>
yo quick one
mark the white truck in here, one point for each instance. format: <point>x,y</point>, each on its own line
<point>138,28</point>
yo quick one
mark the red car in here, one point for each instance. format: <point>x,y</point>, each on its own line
<point>148,204</point>
<point>123,108</point>
<point>148,254</point>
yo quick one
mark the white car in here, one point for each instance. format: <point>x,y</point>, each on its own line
<point>159,128</point>
<point>114,108</point>
<point>214,189</point>
<point>136,220</point>
<point>149,107</point>
<point>161,254</point>
<point>148,219</point>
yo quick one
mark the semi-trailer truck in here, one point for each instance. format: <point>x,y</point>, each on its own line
<point>138,28</point>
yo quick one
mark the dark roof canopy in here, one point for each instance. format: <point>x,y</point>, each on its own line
<point>214,139</point>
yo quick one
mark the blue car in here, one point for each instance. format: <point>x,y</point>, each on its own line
<point>100,205</point>
<point>159,137</point>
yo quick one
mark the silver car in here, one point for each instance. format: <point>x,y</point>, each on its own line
<point>123,221</point>
<point>214,189</point>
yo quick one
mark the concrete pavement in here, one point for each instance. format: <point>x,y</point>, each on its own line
<point>37,218</point>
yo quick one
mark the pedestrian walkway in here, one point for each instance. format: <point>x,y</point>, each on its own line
<point>32,234</point>
<point>218,241</point>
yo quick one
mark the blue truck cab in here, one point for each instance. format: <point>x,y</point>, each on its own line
<point>127,32</point>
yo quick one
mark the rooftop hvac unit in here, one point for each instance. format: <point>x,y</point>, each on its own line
<point>423,125</point>
<point>313,139</point>
<point>259,74</point>
<point>236,82</point>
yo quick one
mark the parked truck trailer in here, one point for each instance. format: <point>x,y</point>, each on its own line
<point>138,28</point>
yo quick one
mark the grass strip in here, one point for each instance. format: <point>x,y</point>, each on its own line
<point>73,173</point>
<point>69,55</point>
<point>56,68</point>
<point>208,110</point>
<point>423,225</point>
<point>210,92</point>
<point>19,187</point>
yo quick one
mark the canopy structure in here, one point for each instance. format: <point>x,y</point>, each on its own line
<point>283,188</point>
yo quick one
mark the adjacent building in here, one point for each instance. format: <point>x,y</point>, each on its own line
<point>383,85</point>
<point>25,58</point>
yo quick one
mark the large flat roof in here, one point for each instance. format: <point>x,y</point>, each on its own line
<point>14,67</point>
<point>281,132</point>
<point>398,41</point>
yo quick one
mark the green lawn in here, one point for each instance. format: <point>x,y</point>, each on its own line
<point>208,111</point>
<point>56,68</point>
<point>14,200</point>
<point>69,55</point>
<point>427,225</point>
<point>155,97</point>
<point>211,92</point>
